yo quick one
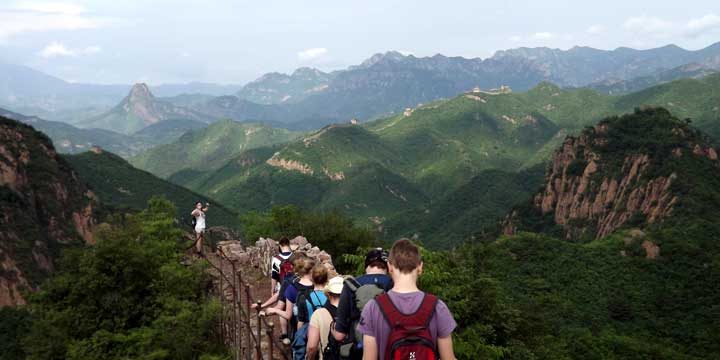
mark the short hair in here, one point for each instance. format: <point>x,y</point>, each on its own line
<point>284,241</point>
<point>304,266</point>
<point>320,274</point>
<point>405,256</point>
<point>199,202</point>
<point>378,264</point>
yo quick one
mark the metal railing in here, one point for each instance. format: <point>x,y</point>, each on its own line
<point>238,316</point>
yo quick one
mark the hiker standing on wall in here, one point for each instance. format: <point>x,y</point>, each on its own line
<point>413,313</point>
<point>198,215</point>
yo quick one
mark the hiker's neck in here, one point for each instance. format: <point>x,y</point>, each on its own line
<point>285,249</point>
<point>372,270</point>
<point>334,300</point>
<point>405,283</point>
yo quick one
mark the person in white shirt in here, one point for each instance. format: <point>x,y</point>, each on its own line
<point>199,214</point>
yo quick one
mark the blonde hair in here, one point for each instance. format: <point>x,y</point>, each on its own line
<point>320,274</point>
<point>304,266</point>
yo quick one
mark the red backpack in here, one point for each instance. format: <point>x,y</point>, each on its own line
<point>410,337</point>
<point>285,267</point>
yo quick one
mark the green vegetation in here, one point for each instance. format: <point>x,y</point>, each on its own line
<point>128,296</point>
<point>330,231</point>
<point>209,148</point>
<point>471,211</point>
<point>123,187</point>
<point>388,172</point>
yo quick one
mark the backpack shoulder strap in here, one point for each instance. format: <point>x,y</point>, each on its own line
<point>352,284</point>
<point>421,317</point>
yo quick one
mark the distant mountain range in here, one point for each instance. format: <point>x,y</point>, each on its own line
<point>383,85</point>
<point>421,161</point>
<point>24,88</point>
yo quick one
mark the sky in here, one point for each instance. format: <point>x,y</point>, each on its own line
<point>236,41</point>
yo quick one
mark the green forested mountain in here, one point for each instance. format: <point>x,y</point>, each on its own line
<point>636,291</point>
<point>120,186</point>
<point>409,163</point>
<point>209,148</point>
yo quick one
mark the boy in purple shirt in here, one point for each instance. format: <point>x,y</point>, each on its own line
<point>405,266</point>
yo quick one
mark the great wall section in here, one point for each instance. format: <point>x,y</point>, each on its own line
<point>240,276</point>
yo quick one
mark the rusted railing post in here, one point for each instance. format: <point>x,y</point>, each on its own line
<point>270,334</point>
<point>259,331</point>
<point>222,306</point>
<point>247,324</point>
<point>236,310</point>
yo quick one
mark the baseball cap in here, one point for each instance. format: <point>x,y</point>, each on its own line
<point>376,254</point>
<point>335,285</point>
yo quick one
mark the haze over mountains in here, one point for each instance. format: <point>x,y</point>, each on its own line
<point>382,85</point>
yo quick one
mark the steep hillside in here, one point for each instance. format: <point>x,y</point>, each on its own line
<point>697,99</point>
<point>45,207</point>
<point>634,170</point>
<point>120,186</point>
<point>471,210</point>
<point>209,148</point>
<point>138,110</point>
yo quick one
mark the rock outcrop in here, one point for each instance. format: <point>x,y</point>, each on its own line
<point>43,205</point>
<point>600,180</point>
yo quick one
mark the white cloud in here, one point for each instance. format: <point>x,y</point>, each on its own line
<point>543,35</point>
<point>595,29</point>
<point>697,26</point>
<point>515,38</point>
<point>30,16</point>
<point>648,25</point>
<point>56,49</point>
<point>310,54</point>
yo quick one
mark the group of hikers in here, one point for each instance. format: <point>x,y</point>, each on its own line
<point>379,315</point>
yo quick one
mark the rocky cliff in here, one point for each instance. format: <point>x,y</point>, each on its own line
<point>44,208</point>
<point>633,170</point>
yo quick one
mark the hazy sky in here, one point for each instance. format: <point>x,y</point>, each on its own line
<point>235,41</point>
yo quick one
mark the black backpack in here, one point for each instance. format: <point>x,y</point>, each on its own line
<point>332,350</point>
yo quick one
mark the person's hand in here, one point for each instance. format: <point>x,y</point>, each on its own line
<point>262,313</point>
<point>254,306</point>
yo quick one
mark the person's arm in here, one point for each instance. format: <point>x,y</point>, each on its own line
<point>370,348</point>
<point>286,314</point>
<point>269,301</point>
<point>194,212</point>
<point>273,287</point>
<point>207,206</point>
<point>342,319</point>
<point>313,342</point>
<point>445,348</point>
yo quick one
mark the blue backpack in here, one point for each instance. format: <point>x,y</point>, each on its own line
<point>299,344</point>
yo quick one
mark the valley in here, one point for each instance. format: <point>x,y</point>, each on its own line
<point>565,201</point>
